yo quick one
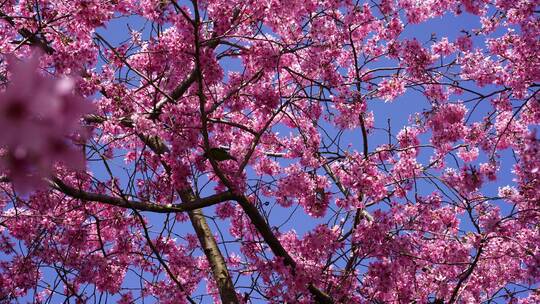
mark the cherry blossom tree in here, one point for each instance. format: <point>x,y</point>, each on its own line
<point>296,151</point>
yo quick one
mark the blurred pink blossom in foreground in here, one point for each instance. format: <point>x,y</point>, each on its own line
<point>39,118</point>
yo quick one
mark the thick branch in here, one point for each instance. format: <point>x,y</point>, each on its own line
<point>138,205</point>
<point>207,240</point>
<point>275,245</point>
<point>211,251</point>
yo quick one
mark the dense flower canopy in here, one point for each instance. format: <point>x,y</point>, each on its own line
<point>302,151</point>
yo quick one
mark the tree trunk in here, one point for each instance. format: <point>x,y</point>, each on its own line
<point>212,252</point>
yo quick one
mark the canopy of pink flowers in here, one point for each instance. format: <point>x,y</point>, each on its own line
<point>366,159</point>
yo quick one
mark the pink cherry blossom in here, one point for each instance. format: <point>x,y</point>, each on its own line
<point>37,114</point>
<point>392,88</point>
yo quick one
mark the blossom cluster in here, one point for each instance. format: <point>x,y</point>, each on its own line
<point>38,114</point>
